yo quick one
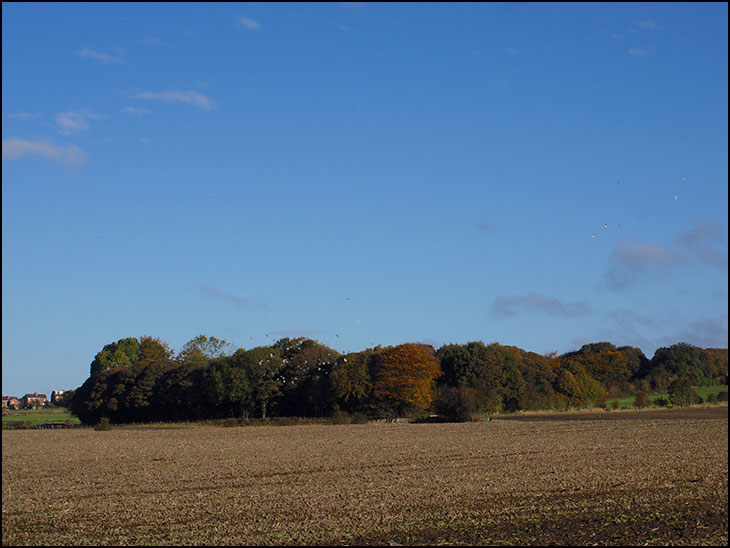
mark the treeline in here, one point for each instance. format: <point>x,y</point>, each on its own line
<point>142,380</point>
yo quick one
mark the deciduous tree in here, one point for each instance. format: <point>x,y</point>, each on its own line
<point>202,349</point>
<point>351,379</point>
<point>122,353</point>
<point>303,378</point>
<point>405,379</point>
<point>684,360</point>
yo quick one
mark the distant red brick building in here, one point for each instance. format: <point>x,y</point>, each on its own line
<point>34,400</point>
<point>57,396</point>
<point>11,402</point>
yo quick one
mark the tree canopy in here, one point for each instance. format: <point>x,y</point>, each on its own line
<point>141,379</point>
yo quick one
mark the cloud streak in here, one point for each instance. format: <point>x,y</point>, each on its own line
<point>705,243</point>
<point>639,52</point>
<point>630,260</point>
<point>176,96</point>
<point>297,332</point>
<point>19,148</point>
<point>215,293</point>
<point>247,23</point>
<point>508,305</point>
<point>103,56</point>
<point>75,121</point>
<point>23,116</point>
<point>705,333</point>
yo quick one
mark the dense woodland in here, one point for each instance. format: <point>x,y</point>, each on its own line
<point>142,380</point>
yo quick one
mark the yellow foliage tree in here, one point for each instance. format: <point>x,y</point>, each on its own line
<point>404,379</point>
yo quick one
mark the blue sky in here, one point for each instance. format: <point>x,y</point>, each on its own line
<point>539,175</point>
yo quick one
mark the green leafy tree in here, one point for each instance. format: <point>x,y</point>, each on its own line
<point>717,360</point>
<point>142,398</point>
<point>514,384</point>
<point>200,350</point>
<point>538,375</point>
<point>265,366</point>
<point>228,386</point>
<point>579,387</point>
<point>351,379</point>
<point>602,361</point>
<point>303,380</point>
<point>180,396</point>
<point>261,368</point>
<point>681,393</point>
<point>636,361</point>
<point>478,366</point>
<point>122,353</point>
<point>91,399</point>
<point>684,360</point>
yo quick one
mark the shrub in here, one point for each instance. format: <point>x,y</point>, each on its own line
<point>341,417</point>
<point>642,400</point>
<point>103,425</point>
<point>358,418</point>
<point>230,422</point>
<point>456,404</point>
<point>286,421</point>
<point>722,396</point>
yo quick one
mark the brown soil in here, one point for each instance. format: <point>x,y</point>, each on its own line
<point>650,478</point>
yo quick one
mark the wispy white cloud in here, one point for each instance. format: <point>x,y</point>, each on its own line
<point>297,332</point>
<point>630,260</point>
<point>635,321</point>
<point>22,116</point>
<point>513,51</point>
<point>75,120</point>
<point>216,293</point>
<point>103,56</point>
<point>19,148</point>
<point>646,24</point>
<point>705,333</point>
<point>639,52</point>
<point>508,305</point>
<point>247,23</point>
<point>485,226</point>
<point>628,327</point>
<point>176,96</point>
<point>135,111</point>
<point>706,243</point>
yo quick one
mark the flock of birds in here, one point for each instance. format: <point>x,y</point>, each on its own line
<point>605,225</point>
<point>675,197</point>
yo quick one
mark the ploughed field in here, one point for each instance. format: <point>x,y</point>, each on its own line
<point>640,478</point>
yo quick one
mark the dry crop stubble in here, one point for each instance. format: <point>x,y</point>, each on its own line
<point>630,481</point>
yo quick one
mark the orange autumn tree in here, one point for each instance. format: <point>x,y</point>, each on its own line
<point>404,379</point>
